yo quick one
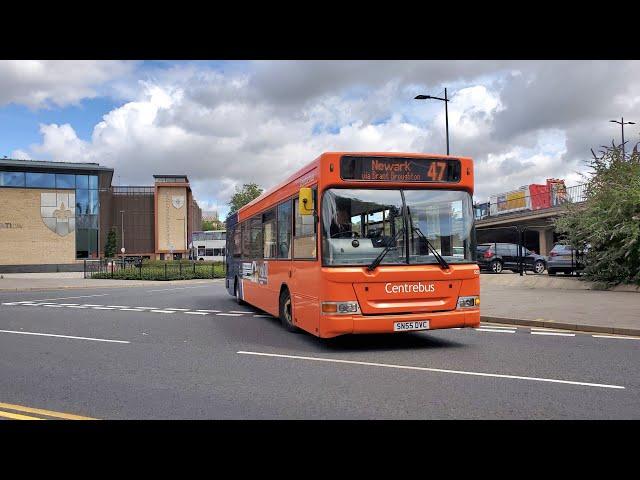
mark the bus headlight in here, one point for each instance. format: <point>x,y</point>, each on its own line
<point>340,308</point>
<point>469,302</point>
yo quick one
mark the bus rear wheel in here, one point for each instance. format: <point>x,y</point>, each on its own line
<point>286,312</point>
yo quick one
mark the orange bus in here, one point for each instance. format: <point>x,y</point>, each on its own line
<point>361,243</point>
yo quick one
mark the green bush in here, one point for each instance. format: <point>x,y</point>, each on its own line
<point>609,223</point>
<point>156,271</point>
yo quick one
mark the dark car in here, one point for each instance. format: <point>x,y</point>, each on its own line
<point>496,257</point>
<point>563,258</point>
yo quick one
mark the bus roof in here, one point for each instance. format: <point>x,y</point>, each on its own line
<point>274,197</point>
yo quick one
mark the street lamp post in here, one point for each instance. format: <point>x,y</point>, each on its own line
<point>446,110</point>
<point>622,123</point>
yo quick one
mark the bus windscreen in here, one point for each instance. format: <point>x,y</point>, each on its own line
<point>399,169</point>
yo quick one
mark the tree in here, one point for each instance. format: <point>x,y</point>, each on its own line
<point>244,195</point>
<point>609,223</point>
<point>110,246</point>
<point>212,225</point>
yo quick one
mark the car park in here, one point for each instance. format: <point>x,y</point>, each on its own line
<point>496,257</point>
<point>565,259</point>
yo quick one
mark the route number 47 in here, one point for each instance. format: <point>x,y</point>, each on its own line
<point>436,171</point>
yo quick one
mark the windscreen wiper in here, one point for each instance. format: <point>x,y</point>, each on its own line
<point>443,263</point>
<point>389,246</point>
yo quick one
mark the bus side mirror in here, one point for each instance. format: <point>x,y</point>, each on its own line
<point>305,201</point>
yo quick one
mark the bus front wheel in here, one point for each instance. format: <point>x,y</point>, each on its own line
<point>286,312</point>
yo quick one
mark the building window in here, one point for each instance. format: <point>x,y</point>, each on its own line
<point>12,179</point>
<point>65,181</point>
<point>209,252</point>
<point>82,181</point>
<point>41,180</point>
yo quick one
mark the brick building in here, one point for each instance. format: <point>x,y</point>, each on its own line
<point>53,215</point>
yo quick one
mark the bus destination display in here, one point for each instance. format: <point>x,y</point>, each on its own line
<point>399,169</point>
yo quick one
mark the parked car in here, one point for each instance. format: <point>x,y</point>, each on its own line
<point>496,257</point>
<point>563,258</point>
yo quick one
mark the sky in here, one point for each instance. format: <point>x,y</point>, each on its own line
<point>225,123</point>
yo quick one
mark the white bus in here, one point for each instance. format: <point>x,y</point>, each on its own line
<point>208,246</point>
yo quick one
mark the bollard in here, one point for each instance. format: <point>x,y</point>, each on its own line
<point>165,270</point>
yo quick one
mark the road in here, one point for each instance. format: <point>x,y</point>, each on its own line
<point>190,352</point>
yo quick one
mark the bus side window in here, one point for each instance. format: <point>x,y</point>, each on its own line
<point>304,239</point>
<point>284,230</point>
<point>269,235</point>
<point>246,240</point>
<point>237,242</point>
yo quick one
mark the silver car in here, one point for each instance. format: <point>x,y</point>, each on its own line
<point>563,258</point>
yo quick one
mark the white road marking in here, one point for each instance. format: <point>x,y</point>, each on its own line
<point>65,336</point>
<point>118,306</point>
<point>130,310</point>
<point>494,331</point>
<point>162,311</point>
<point>616,336</point>
<point>486,325</point>
<point>196,313</point>
<point>89,305</point>
<point>11,303</point>
<point>103,308</point>
<point>178,288</point>
<point>177,309</point>
<point>55,306</point>
<point>265,316</point>
<point>81,296</point>
<point>548,329</point>
<point>240,311</point>
<point>229,314</point>
<point>209,311</point>
<point>76,306</point>
<point>68,304</point>
<point>439,370</point>
<point>557,334</point>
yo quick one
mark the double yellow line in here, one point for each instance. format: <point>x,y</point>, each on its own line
<point>35,411</point>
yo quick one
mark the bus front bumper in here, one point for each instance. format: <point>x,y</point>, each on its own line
<point>334,325</point>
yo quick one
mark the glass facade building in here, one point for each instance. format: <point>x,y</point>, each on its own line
<point>76,183</point>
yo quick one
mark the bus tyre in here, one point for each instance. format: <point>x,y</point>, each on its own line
<point>286,312</point>
<point>236,292</point>
<point>496,266</point>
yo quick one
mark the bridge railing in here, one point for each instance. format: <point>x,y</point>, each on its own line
<point>551,198</point>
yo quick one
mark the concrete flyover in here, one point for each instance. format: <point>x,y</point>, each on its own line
<point>537,226</point>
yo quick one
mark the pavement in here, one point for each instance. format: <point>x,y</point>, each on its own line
<point>565,303</point>
<point>190,352</point>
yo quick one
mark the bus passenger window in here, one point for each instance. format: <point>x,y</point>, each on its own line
<point>284,230</point>
<point>304,240</point>
<point>269,234</point>
<point>237,244</point>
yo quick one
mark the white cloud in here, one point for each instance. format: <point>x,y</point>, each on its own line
<point>262,123</point>
<point>45,83</point>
